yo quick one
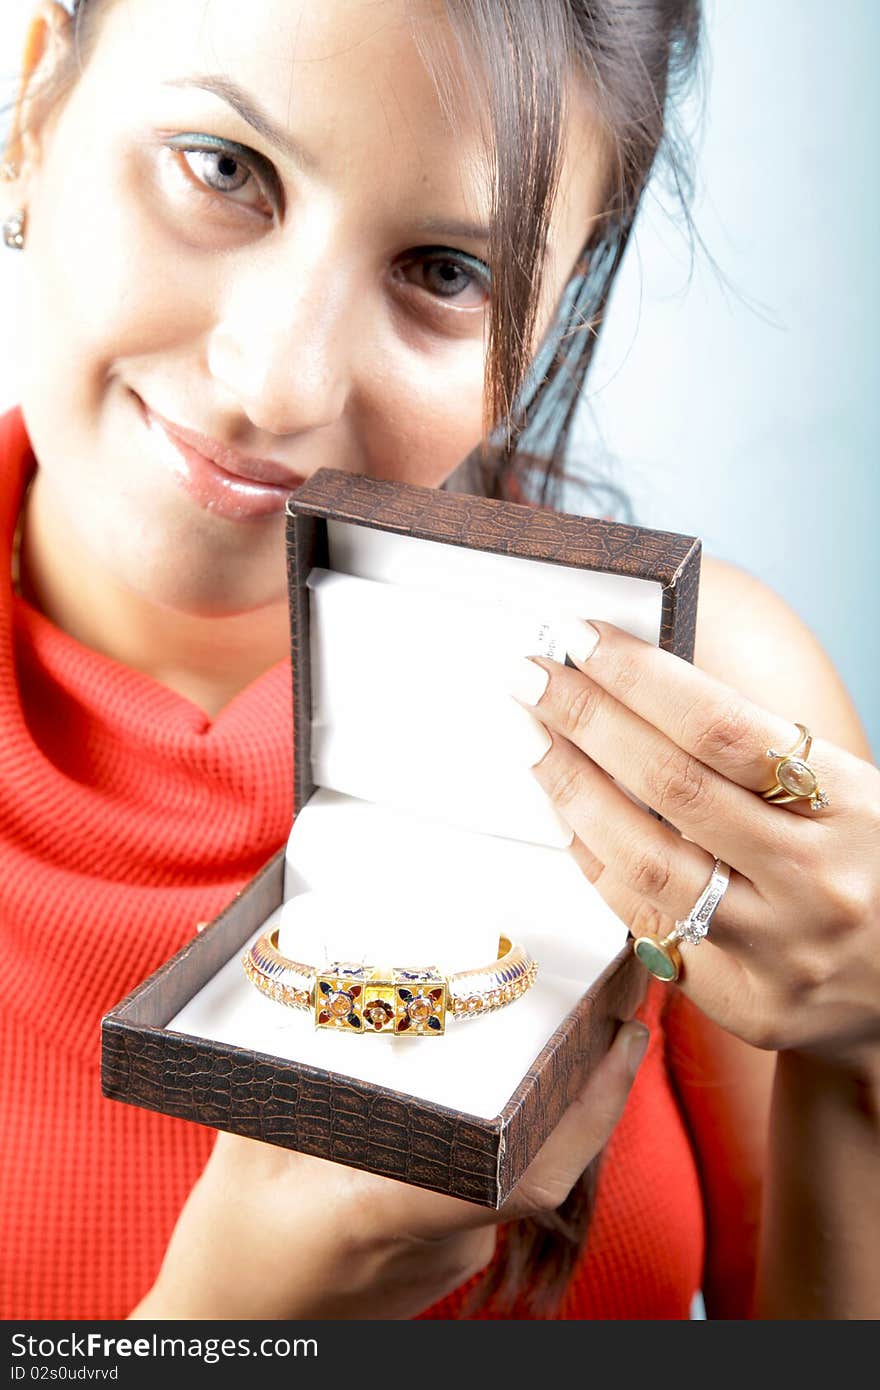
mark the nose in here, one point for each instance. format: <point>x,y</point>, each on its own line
<point>283,344</point>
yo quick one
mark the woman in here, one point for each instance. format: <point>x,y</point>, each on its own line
<point>262,225</point>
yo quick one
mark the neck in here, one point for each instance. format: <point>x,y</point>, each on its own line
<point>208,660</point>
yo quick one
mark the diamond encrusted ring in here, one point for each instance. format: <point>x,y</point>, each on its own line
<point>794,779</point>
<point>660,955</point>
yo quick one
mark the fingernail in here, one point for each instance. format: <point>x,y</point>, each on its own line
<point>527,680</point>
<point>580,639</point>
<point>636,1043</point>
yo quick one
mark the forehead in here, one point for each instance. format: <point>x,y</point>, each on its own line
<point>347,79</point>
<point>349,67</point>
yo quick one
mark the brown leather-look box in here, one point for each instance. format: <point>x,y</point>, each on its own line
<point>196,1040</point>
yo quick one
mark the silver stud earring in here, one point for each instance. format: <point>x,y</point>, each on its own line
<point>14,226</point>
<point>13,230</point>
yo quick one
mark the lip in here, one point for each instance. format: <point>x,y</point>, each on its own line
<point>219,478</point>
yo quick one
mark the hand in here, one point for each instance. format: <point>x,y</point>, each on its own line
<point>267,1233</point>
<point>793,958</point>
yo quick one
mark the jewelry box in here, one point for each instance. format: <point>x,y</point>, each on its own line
<point>420,837</point>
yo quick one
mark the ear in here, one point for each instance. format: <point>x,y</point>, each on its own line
<point>49,36</point>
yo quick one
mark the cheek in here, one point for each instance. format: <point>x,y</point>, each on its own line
<point>104,287</point>
<point>426,415</point>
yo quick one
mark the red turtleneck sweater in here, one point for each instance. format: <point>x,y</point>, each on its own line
<point>127,815</point>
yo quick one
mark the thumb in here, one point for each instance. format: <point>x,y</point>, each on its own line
<point>584,1129</point>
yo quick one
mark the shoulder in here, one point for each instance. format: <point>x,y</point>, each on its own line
<point>749,637</point>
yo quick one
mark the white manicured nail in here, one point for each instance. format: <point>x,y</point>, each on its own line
<point>580,639</point>
<point>527,681</point>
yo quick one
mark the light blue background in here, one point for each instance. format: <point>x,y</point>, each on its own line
<point>750,416</point>
<point>744,412</point>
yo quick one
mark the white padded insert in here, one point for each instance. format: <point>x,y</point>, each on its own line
<point>410,705</point>
<point>412,643</point>
<point>429,834</point>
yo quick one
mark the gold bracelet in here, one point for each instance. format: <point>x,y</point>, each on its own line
<point>378,999</point>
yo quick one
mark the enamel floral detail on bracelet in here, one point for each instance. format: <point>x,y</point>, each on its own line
<point>420,1002</point>
<point>339,1001</point>
<point>382,1000</point>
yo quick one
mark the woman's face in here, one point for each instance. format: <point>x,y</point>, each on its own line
<point>301,292</point>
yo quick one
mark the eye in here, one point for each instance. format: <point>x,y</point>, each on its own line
<point>222,169</point>
<point>460,280</point>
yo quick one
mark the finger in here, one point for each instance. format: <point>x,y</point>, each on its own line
<point>658,865</point>
<point>584,1129</point>
<point>693,797</point>
<point>719,981</point>
<point>750,945</point>
<point>589,864</point>
<point>707,718</point>
<point>726,981</point>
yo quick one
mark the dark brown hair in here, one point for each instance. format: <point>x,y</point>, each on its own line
<point>637,60</point>
<point>514,59</point>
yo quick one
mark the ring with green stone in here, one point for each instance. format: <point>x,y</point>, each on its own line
<point>660,955</point>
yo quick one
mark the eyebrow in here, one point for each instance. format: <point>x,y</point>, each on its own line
<point>250,110</point>
<point>468,231</point>
<point>253,113</point>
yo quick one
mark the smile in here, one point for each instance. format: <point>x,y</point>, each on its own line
<point>256,488</point>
